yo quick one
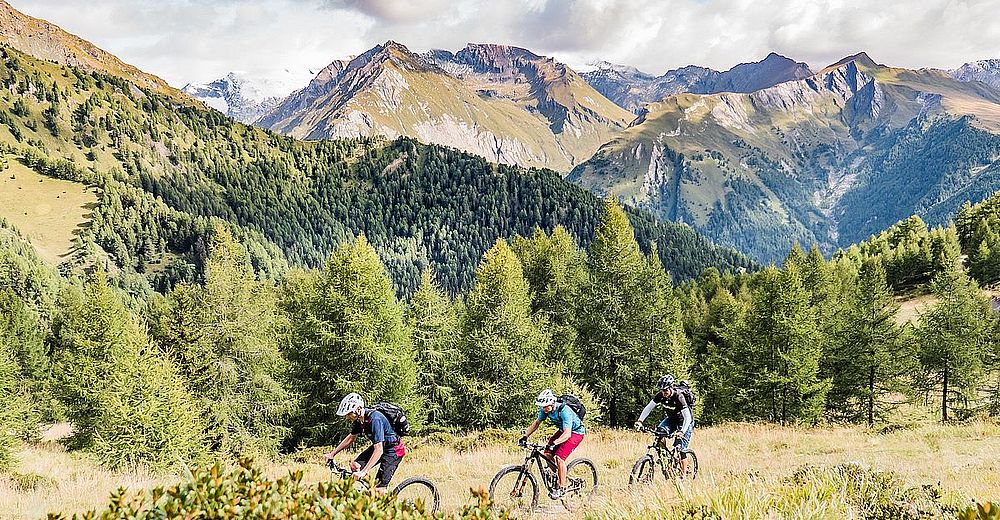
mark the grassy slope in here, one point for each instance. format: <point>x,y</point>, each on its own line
<point>961,458</point>
<point>47,211</point>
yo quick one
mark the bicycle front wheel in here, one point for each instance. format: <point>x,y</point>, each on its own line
<point>581,483</point>
<point>419,491</point>
<point>692,465</point>
<point>514,489</point>
<point>642,471</point>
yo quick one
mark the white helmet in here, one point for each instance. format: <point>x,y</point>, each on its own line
<point>350,403</point>
<point>546,398</point>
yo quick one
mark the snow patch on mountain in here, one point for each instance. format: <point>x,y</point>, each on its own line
<point>247,97</point>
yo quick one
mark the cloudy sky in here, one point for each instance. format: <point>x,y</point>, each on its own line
<point>200,40</point>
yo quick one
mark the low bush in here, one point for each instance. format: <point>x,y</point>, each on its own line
<point>245,493</point>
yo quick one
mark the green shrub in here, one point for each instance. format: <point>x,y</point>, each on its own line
<point>244,492</point>
<point>984,511</point>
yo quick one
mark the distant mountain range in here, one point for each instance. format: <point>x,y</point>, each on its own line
<point>755,157</point>
<point>828,159</point>
<point>632,89</point>
<point>244,97</point>
<point>987,71</point>
<point>163,173</point>
<point>504,103</point>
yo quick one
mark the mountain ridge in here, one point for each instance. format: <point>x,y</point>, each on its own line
<point>799,161</point>
<point>501,102</point>
<point>632,89</point>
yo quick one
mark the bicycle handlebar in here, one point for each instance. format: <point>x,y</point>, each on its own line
<point>531,445</point>
<point>336,468</point>
<point>654,431</point>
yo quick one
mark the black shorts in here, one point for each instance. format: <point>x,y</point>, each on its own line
<point>387,464</point>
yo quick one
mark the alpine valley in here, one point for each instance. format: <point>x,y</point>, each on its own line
<point>154,174</point>
<point>830,158</point>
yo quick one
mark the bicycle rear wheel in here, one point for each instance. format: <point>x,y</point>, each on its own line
<point>419,490</point>
<point>581,483</point>
<point>642,471</point>
<point>514,489</point>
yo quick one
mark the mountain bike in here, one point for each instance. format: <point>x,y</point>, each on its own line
<point>666,454</point>
<point>411,490</point>
<point>515,488</point>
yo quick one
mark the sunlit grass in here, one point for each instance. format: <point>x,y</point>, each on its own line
<point>745,471</point>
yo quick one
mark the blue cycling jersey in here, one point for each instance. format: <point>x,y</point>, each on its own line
<point>564,418</point>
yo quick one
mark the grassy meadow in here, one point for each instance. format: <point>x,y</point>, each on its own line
<point>47,211</point>
<point>745,471</point>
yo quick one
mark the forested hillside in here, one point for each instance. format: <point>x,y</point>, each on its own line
<point>163,169</point>
<point>236,364</point>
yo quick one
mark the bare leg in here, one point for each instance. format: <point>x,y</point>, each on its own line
<point>381,491</point>
<point>562,471</point>
<point>684,466</point>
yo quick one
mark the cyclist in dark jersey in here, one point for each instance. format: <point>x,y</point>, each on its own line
<point>387,449</point>
<point>679,419</point>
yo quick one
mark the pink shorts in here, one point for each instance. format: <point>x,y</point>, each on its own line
<point>564,450</point>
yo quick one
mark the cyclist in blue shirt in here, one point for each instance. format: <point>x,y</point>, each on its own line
<point>565,440</point>
<point>387,449</point>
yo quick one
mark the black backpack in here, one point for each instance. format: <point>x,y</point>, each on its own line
<point>685,389</point>
<point>396,416</point>
<point>574,403</point>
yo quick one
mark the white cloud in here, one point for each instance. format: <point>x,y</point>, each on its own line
<point>189,40</point>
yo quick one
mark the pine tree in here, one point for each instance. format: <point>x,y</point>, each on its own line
<point>226,337</point>
<point>556,271</point>
<point>873,360</point>
<point>433,323</point>
<point>615,323</point>
<point>778,351</point>
<point>953,336</point>
<point>502,346</point>
<point>127,401</point>
<point>347,336</point>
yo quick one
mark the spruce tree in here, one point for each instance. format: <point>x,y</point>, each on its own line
<point>953,337</point>
<point>347,335</point>
<point>617,324</point>
<point>502,346</point>
<point>556,271</point>
<point>127,401</point>
<point>433,323</point>
<point>226,337</point>
<point>873,360</point>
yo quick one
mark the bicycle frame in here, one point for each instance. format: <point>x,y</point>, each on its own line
<point>537,456</point>
<point>663,448</point>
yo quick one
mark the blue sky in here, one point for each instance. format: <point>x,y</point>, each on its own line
<point>200,40</point>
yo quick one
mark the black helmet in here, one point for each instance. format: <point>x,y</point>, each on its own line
<point>665,382</point>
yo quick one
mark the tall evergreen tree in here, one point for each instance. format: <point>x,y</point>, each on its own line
<point>433,323</point>
<point>226,337</point>
<point>616,322</point>
<point>347,336</point>
<point>873,360</point>
<point>127,401</point>
<point>503,347</point>
<point>556,270</point>
<point>779,345</point>
<point>953,335</point>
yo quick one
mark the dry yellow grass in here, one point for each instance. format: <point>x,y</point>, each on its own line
<point>45,210</point>
<point>964,459</point>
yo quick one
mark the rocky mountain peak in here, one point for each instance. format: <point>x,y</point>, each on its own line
<point>860,60</point>
<point>986,71</point>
